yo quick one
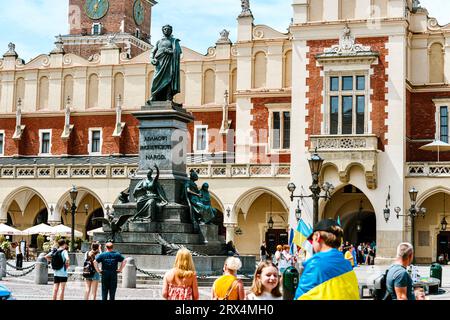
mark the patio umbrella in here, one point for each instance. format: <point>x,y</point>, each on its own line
<point>42,228</point>
<point>10,231</point>
<point>91,232</point>
<point>436,145</point>
<point>66,231</point>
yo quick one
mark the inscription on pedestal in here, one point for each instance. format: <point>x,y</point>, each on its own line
<point>161,147</point>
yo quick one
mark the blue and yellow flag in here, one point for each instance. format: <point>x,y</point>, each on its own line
<point>327,276</point>
<point>302,233</point>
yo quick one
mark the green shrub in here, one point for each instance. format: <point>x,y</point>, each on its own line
<point>40,241</point>
<point>2,238</point>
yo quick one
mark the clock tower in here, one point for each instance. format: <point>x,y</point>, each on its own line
<point>93,22</point>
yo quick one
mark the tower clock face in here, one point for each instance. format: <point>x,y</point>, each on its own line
<point>138,12</point>
<point>96,9</point>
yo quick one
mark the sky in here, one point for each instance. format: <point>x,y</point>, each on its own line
<point>32,24</point>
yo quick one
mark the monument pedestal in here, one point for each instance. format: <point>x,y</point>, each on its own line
<point>163,138</point>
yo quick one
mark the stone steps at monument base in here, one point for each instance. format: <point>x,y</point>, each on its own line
<point>138,248</point>
<point>159,227</point>
<point>210,249</point>
<point>151,238</point>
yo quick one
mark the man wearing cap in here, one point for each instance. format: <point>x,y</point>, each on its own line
<point>327,275</point>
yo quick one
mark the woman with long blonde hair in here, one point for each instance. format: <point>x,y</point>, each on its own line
<point>180,283</point>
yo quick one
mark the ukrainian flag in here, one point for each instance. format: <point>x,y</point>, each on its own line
<point>327,276</point>
<point>302,233</point>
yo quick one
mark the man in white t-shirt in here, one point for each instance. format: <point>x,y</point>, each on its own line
<point>19,257</point>
<point>60,274</point>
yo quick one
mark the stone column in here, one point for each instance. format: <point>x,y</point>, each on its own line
<point>129,274</point>
<point>41,270</point>
<point>2,265</point>
<point>3,215</point>
<point>230,231</point>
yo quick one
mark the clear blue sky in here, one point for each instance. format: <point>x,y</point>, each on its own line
<point>32,24</point>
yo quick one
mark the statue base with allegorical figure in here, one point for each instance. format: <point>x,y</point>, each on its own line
<point>163,143</point>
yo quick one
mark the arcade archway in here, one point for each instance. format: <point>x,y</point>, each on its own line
<point>355,212</point>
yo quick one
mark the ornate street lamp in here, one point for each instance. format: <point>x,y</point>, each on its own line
<point>73,195</point>
<point>444,221</point>
<point>413,212</point>
<point>443,224</point>
<point>270,223</point>
<point>315,165</point>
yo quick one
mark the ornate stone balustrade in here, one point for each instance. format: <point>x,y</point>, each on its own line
<point>346,151</point>
<point>425,169</point>
<point>116,171</point>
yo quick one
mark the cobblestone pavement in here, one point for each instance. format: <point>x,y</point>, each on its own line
<point>24,288</point>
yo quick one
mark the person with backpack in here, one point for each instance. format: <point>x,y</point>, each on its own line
<point>109,261</point>
<point>228,286</point>
<point>399,283</point>
<point>60,263</point>
<point>90,274</point>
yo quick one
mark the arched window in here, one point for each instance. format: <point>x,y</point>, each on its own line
<point>436,63</point>
<point>233,88</point>
<point>93,91</point>
<point>43,93</point>
<point>118,88</point>
<point>315,10</point>
<point>259,70</point>
<point>347,9</point>
<point>68,90</point>
<point>287,72</point>
<point>180,98</point>
<point>19,92</point>
<point>209,85</point>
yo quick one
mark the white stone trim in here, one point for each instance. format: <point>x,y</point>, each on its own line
<point>91,130</point>
<point>41,132</point>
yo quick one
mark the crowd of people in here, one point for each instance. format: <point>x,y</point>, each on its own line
<point>328,274</point>
<point>363,254</point>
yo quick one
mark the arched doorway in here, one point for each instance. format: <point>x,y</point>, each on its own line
<point>94,224</point>
<point>355,212</point>
<point>254,210</point>
<point>430,239</point>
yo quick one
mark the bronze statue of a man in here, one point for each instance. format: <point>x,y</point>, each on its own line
<point>149,195</point>
<point>166,59</point>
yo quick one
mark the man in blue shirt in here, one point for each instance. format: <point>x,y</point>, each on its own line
<point>398,282</point>
<point>109,261</point>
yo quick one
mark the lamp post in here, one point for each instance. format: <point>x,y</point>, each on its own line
<point>315,165</point>
<point>298,212</point>
<point>73,195</point>
<point>413,211</point>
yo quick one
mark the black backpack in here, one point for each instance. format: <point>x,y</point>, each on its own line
<point>57,260</point>
<point>88,269</point>
<point>380,291</point>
